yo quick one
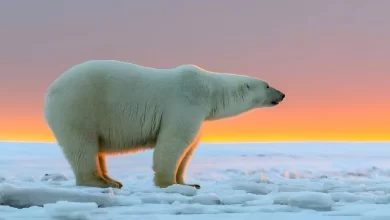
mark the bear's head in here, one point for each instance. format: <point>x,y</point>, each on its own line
<point>238,94</point>
<point>259,93</point>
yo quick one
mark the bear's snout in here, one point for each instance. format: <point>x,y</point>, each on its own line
<point>278,97</point>
<point>282,96</point>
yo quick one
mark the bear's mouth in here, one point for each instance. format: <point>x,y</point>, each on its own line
<point>274,102</point>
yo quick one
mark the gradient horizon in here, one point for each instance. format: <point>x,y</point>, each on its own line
<point>330,58</point>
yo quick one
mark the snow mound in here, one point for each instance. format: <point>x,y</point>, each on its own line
<point>22,197</point>
<point>164,198</point>
<point>311,200</point>
<point>237,199</point>
<point>55,177</point>
<point>265,201</point>
<point>378,214</point>
<point>207,199</point>
<point>181,189</point>
<point>254,188</point>
<point>70,210</point>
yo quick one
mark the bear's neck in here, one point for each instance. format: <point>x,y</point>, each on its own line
<point>226,101</point>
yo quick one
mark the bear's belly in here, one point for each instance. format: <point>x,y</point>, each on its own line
<point>125,148</point>
<point>129,128</point>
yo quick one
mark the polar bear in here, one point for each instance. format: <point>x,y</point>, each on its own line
<point>107,107</point>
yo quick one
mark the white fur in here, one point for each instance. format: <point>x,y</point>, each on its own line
<point>107,107</point>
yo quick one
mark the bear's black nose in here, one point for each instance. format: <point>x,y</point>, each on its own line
<point>283,95</point>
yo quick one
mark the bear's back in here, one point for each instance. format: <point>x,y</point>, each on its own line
<point>107,79</point>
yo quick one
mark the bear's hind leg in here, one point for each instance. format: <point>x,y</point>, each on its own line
<point>82,156</point>
<point>103,169</point>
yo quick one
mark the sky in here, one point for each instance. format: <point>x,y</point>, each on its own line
<point>330,58</point>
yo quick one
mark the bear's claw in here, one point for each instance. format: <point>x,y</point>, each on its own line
<point>197,186</point>
<point>116,183</point>
<point>109,179</point>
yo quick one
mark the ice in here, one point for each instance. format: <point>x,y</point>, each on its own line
<point>207,199</point>
<point>382,214</point>
<point>70,210</point>
<point>21,197</point>
<point>311,200</point>
<point>347,181</point>
<point>55,177</point>
<point>182,189</point>
<point>254,188</point>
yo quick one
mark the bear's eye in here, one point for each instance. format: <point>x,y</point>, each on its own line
<point>267,86</point>
<point>247,86</point>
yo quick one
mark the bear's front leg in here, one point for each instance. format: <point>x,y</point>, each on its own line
<point>183,165</point>
<point>173,144</point>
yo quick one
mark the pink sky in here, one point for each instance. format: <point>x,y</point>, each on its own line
<point>331,58</point>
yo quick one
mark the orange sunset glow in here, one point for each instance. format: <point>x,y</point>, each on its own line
<point>331,60</point>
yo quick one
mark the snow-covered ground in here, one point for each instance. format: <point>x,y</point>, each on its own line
<point>302,181</point>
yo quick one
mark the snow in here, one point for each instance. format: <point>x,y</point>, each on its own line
<point>238,181</point>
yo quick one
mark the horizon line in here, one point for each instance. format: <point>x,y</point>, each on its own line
<point>234,142</point>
